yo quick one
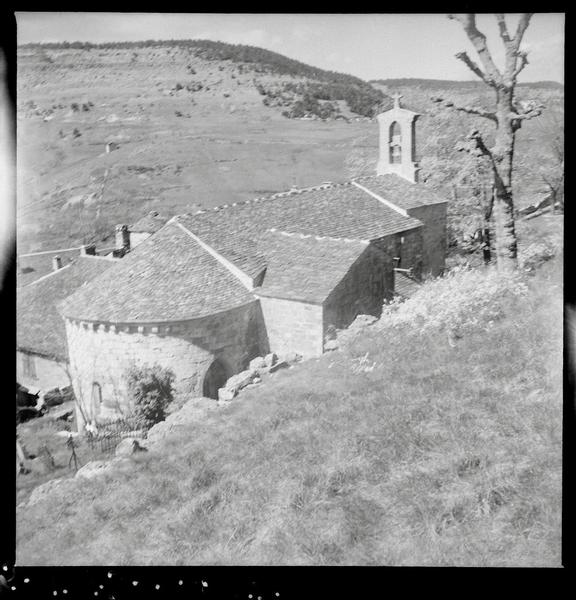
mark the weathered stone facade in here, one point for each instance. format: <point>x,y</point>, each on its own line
<point>433,236</point>
<point>293,326</point>
<point>101,353</point>
<point>363,290</point>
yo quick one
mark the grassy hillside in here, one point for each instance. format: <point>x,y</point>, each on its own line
<point>200,123</point>
<point>414,445</point>
<point>197,124</point>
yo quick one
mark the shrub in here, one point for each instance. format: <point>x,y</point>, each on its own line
<point>463,301</point>
<point>76,133</point>
<point>151,391</point>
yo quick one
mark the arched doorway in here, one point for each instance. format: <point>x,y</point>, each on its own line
<point>215,378</point>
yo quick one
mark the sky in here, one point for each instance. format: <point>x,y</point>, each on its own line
<point>370,46</point>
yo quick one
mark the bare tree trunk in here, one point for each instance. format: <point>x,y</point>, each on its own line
<point>502,159</point>
<point>508,117</point>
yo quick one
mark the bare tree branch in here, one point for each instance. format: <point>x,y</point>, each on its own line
<point>471,110</point>
<point>478,39</point>
<point>503,27</point>
<point>463,56</point>
<point>521,29</point>
<point>527,110</point>
<point>523,56</point>
<point>474,145</point>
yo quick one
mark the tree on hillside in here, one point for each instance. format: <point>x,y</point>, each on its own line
<point>507,116</point>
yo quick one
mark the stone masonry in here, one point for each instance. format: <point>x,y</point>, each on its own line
<point>101,354</point>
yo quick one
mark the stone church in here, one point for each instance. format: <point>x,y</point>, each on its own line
<point>207,292</point>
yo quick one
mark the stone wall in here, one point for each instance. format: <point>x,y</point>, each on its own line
<point>49,373</point>
<point>101,353</point>
<point>406,245</point>
<point>293,326</point>
<point>362,291</point>
<point>433,236</point>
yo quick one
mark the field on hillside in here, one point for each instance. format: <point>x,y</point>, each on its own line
<point>194,132</point>
<point>178,149</point>
<point>434,442</point>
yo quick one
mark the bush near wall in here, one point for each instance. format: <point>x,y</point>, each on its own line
<point>151,391</point>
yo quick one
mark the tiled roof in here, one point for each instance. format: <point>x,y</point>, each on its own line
<point>305,268</point>
<point>405,286</point>
<point>39,326</point>
<point>399,191</point>
<point>338,210</point>
<point>31,268</point>
<point>151,223</point>
<point>168,277</point>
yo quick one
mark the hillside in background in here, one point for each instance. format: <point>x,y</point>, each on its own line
<point>197,123</point>
<point>450,84</point>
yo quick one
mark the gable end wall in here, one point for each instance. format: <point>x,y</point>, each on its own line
<point>434,243</point>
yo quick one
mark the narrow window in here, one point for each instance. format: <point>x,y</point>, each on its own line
<point>395,143</point>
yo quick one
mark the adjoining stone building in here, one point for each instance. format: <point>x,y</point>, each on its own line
<point>209,291</point>
<point>41,346</point>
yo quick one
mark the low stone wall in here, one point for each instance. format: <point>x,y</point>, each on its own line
<point>101,353</point>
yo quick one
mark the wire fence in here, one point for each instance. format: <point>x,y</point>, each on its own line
<point>109,435</point>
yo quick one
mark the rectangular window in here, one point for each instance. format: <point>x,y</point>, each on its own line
<point>29,366</point>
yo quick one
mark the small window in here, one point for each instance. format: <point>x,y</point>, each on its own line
<point>29,366</point>
<point>395,143</point>
<point>395,133</point>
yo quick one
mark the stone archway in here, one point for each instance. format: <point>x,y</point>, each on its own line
<point>215,378</point>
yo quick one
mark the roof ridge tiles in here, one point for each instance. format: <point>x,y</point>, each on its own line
<point>284,194</point>
<point>317,237</point>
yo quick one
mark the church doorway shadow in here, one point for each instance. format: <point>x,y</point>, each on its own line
<point>215,378</point>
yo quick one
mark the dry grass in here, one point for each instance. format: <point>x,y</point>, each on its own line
<point>440,455</point>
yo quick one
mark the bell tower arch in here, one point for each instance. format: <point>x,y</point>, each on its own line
<point>398,142</point>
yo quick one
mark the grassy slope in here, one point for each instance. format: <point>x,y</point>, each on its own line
<point>441,455</point>
<point>226,147</point>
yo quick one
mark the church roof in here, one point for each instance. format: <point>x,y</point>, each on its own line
<point>187,269</point>
<point>305,268</point>
<point>336,210</point>
<point>31,268</point>
<point>168,277</point>
<point>401,192</point>
<point>39,327</point>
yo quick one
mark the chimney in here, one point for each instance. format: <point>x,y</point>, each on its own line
<point>88,250</point>
<point>122,238</point>
<point>56,263</point>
